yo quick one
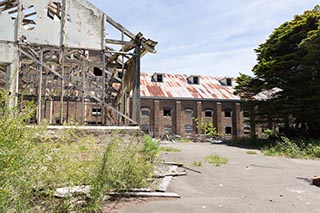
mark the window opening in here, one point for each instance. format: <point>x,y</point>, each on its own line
<point>228,130</point>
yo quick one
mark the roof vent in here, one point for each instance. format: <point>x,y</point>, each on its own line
<point>226,82</point>
<point>193,79</point>
<point>157,77</point>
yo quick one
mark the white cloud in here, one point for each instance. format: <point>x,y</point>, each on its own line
<point>203,36</point>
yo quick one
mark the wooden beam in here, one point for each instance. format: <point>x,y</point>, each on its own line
<point>119,27</point>
<point>118,42</point>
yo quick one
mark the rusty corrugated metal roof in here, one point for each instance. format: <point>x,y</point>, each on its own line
<point>177,86</point>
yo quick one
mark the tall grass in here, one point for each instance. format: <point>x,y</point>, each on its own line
<point>33,164</point>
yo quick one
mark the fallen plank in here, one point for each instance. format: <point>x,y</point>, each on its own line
<point>164,184</point>
<point>193,170</point>
<point>147,194</point>
<point>138,190</point>
<point>173,174</point>
<point>173,163</point>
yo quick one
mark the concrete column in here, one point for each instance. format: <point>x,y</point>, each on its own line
<point>156,119</point>
<point>219,118</point>
<point>236,121</point>
<point>178,118</point>
<point>13,79</point>
<point>199,116</point>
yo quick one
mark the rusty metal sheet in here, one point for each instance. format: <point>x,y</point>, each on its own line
<point>177,86</point>
<point>84,25</point>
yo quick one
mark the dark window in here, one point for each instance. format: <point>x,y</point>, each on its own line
<point>228,130</point>
<point>167,112</point>
<point>196,80</point>
<point>97,71</point>
<point>96,111</point>
<point>145,112</point>
<point>159,78</point>
<point>208,113</point>
<point>246,129</point>
<point>227,113</point>
<point>188,128</point>
<point>120,75</point>
<point>229,82</point>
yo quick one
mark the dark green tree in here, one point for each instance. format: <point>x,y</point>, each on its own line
<point>286,82</point>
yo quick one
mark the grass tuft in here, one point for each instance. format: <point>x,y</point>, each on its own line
<point>169,149</point>
<point>250,152</point>
<point>215,159</point>
<point>197,163</point>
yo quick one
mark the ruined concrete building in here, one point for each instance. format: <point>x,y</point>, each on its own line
<point>64,56</point>
<point>79,65</point>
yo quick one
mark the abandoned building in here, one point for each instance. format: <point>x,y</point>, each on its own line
<point>74,61</point>
<point>171,102</point>
<point>78,65</point>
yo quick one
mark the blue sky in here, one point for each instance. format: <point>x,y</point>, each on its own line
<point>203,37</point>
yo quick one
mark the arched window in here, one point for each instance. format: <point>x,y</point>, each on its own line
<point>145,111</point>
<point>188,128</point>
<point>228,130</point>
<point>208,113</point>
<point>247,129</point>
<point>188,113</point>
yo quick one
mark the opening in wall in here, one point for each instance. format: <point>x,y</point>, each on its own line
<point>208,113</point>
<point>188,128</point>
<point>228,130</point>
<point>167,112</point>
<point>145,112</point>
<point>96,111</point>
<point>227,113</point>
<point>188,113</point>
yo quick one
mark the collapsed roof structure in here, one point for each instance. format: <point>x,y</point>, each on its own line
<point>61,54</point>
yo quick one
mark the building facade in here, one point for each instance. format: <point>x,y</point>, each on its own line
<point>172,104</point>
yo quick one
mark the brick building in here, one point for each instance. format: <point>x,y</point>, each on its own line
<point>170,102</point>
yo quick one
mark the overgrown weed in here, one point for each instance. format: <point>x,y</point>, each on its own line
<point>34,164</point>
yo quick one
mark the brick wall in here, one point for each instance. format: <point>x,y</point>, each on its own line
<point>224,115</point>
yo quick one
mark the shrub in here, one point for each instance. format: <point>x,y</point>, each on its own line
<point>151,147</point>
<point>124,166</point>
<point>33,164</point>
<point>294,148</point>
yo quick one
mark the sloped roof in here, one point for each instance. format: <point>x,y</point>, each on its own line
<point>176,86</point>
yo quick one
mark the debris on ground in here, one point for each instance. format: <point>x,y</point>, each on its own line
<point>316,181</point>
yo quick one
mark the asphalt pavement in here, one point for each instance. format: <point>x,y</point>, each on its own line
<point>247,183</point>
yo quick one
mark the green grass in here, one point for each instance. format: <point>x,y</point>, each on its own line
<point>215,159</point>
<point>169,149</point>
<point>182,140</point>
<point>34,164</point>
<point>197,163</point>
<point>251,152</point>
